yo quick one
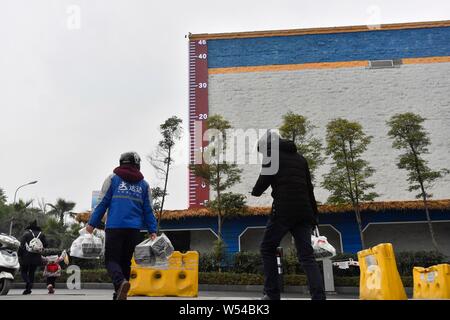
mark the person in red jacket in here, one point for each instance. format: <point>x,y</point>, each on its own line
<point>52,269</point>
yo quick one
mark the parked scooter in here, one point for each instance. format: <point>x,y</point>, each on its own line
<point>9,261</point>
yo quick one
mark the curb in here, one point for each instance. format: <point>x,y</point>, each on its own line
<point>210,287</point>
<point>62,285</point>
<point>201,287</point>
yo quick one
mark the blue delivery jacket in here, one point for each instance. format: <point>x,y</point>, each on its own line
<point>128,205</point>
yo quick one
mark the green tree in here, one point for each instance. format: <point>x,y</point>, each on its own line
<point>157,194</point>
<point>231,205</point>
<point>347,179</point>
<point>5,217</point>
<point>408,134</point>
<point>299,129</point>
<point>60,236</point>
<point>61,208</point>
<point>2,196</point>
<point>162,158</point>
<point>19,216</point>
<point>219,174</point>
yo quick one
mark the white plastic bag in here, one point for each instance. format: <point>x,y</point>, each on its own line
<point>88,246</point>
<point>322,248</point>
<point>143,254</point>
<point>154,252</point>
<point>162,247</point>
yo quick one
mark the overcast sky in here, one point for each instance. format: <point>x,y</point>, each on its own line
<point>73,96</point>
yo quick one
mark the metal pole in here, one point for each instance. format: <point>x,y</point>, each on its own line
<point>280,268</point>
<point>328,277</point>
<point>11,226</point>
<point>15,194</point>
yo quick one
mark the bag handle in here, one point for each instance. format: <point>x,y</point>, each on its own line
<point>35,237</point>
<point>316,231</point>
<point>144,242</point>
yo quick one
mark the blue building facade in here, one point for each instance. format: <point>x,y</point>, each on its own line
<point>254,78</point>
<point>343,223</point>
<point>320,48</point>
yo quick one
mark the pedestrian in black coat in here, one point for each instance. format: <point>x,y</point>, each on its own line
<point>29,261</point>
<point>294,210</point>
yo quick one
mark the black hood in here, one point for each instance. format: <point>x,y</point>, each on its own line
<point>33,226</point>
<point>283,145</point>
<point>287,146</point>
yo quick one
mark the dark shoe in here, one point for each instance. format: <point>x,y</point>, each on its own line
<point>114,296</point>
<point>122,292</point>
<point>27,291</point>
<point>266,297</point>
<point>50,289</point>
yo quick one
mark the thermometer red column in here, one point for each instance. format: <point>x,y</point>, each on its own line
<point>198,114</point>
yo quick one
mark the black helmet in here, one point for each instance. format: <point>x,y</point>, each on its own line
<point>130,158</point>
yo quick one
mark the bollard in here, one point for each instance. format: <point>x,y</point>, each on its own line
<point>280,268</point>
<point>328,277</point>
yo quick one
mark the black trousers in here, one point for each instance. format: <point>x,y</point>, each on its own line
<point>28,271</point>
<point>276,229</point>
<point>119,249</point>
<point>51,280</point>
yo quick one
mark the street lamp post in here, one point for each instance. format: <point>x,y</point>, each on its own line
<point>26,184</point>
<point>15,194</point>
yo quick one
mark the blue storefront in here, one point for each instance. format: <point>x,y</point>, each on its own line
<point>406,228</point>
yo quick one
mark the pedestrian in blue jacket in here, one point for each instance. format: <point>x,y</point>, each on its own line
<point>127,197</point>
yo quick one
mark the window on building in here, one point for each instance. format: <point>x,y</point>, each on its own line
<point>383,64</point>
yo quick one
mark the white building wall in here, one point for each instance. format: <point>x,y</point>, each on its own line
<point>259,99</point>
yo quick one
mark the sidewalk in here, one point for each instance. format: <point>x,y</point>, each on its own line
<point>106,294</point>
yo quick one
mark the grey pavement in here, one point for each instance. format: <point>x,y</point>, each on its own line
<point>106,294</point>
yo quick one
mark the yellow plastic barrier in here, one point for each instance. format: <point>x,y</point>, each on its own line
<point>379,278</point>
<point>432,282</point>
<point>180,279</point>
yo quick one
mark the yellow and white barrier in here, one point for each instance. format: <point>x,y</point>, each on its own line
<point>180,279</point>
<point>379,278</point>
<point>432,282</point>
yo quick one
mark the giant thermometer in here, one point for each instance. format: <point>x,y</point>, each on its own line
<point>198,114</point>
